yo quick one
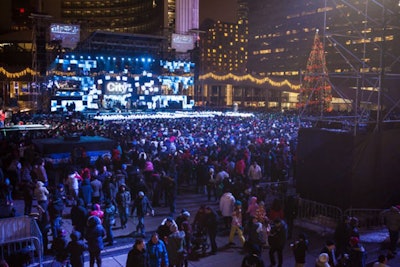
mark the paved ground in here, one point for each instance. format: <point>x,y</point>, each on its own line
<point>226,255</point>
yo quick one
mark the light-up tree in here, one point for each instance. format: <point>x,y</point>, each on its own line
<point>316,92</point>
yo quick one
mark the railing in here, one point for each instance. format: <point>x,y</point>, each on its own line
<point>327,216</point>
<point>367,218</point>
<point>319,215</point>
<point>21,235</point>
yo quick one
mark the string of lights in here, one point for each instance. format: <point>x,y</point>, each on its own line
<point>12,75</point>
<point>250,78</point>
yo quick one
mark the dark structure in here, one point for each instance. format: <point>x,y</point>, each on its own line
<point>338,168</point>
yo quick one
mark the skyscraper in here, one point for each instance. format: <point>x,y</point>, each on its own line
<point>187,16</point>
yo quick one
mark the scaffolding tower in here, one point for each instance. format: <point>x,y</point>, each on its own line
<point>40,24</point>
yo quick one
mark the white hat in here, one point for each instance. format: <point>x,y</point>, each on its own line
<point>323,257</point>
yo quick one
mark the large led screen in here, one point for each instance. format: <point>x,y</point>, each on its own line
<point>68,34</point>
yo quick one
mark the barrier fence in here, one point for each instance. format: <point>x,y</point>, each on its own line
<point>21,241</point>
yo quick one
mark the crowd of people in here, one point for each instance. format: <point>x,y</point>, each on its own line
<point>226,158</point>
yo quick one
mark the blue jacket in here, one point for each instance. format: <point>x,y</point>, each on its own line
<point>95,233</point>
<point>157,254</point>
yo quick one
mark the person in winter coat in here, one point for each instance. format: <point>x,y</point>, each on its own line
<point>85,192</point>
<point>237,225</point>
<point>211,224</point>
<point>73,184</point>
<point>97,189</point>
<point>75,249</point>
<point>137,256</point>
<point>158,255</point>
<point>123,200</point>
<point>109,221</point>
<point>226,206</point>
<point>56,208</point>
<point>175,244</point>
<point>277,239</point>
<point>41,194</point>
<point>252,207</point>
<point>143,207</point>
<point>391,219</point>
<point>94,236</point>
<point>357,253</point>
<point>59,246</point>
<point>79,215</point>
<point>299,248</point>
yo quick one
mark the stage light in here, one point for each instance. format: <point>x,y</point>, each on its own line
<point>143,59</point>
<point>122,58</point>
<point>90,57</point>
<point>81,57</point>
<point>118,78</point>
<point>101,57</point>
<point>149,60</point>
<point>107,77</point>
<point>113,58</point>
<point>72,56</point>
<point>124,78</point>
<point>108,58</point>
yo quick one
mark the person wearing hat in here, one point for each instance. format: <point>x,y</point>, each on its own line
<point>123,202</point>
<point>75,249</point>
<point>183,216</point>
<point>236,224</point>
<point>330,250</point>
<point>142,207</point>
<point>322,260</point>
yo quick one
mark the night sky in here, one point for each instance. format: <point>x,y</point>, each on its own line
<point>223,10</point>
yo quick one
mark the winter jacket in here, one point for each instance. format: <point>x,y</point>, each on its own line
<point>85,191</point>
<point>41,191</point>
<point>157,254</point>
<point>142,206</point>
<point>137,258</point>
<point>226,204</point>
<point>94,234</point>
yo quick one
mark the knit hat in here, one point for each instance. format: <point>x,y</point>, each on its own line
<point>186,214</point>
<point>141,194</point>
<point>238,203</point>
<point>323,257</point>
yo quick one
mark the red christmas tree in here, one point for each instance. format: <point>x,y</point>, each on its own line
<point>316,92</point>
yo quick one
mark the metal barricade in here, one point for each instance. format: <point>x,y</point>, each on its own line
<point>367,218</point>
<point>21,236</point>
<point>322,216</point>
